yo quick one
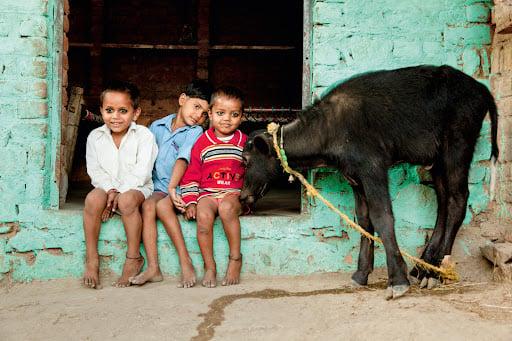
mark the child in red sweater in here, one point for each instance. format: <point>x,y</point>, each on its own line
<point>212,183</point>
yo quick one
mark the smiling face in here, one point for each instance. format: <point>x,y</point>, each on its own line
<point>225,115</point>
<point>118,112</point>
<point>193,110</point>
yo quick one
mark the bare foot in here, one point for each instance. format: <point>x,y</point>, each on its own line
<point>152,274</point>
<point>233,272</point>
<point>188,275</point>
<point>131,268</point>
<point>91,273</point>
<point>210,278</point>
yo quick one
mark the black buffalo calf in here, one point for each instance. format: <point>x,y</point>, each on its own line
<point>424,115</point>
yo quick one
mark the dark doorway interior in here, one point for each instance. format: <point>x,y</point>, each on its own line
<point>161,45</point>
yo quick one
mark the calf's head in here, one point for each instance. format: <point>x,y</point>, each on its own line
<point>262,166</point>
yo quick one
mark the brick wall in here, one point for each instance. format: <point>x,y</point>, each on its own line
<point>69,125</point>
<point>349,36</point>
<point>24,129</point>
<point>502,88</point>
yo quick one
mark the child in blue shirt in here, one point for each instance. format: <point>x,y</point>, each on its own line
<point>175,135</point>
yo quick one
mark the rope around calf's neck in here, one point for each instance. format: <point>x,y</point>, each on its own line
<point>446,271</point>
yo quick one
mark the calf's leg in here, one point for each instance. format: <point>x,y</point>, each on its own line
<point>455,181</point>
<point>381,217</point>
<point>365,262</point>
<point>434,243</point>
<point>458,194</point>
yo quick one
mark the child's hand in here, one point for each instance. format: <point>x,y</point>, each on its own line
<point>176,200</point>
<point>112,196</point>
<point>190,212</point>
<point>106,214</point>
<point>114,204</point>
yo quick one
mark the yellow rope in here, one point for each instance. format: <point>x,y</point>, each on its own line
<point>447,271</point>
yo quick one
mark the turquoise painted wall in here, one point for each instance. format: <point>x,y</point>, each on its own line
<point>39,241</point>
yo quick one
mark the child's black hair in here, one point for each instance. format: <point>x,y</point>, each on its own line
<point>124,87</point>
<point>229,92</point>
<point>199,88</point>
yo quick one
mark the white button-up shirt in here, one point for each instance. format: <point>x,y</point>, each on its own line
<point>126,168</point>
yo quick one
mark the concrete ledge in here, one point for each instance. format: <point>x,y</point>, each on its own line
<point>282,245</point>
<point>46,244</point>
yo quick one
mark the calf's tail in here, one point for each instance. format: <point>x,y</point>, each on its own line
<point>493,113</point>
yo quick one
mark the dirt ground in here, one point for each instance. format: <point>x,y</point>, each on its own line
<point>269,308</point>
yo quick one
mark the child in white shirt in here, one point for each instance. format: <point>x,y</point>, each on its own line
<point>120,157</point>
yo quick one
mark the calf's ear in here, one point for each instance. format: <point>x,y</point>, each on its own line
<point>249,145</point>
<point>263,143</point>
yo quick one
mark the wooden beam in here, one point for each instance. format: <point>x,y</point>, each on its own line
<point>186,47</point>
<point>252,47</point>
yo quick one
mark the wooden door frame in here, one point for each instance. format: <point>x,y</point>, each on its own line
<point>306,54</point>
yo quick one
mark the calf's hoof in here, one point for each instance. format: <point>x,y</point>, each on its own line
<point>353,284</point>
<point>413,280</point>
<point>359,279</point>
<point>422,276</point>
<point>396,291</point>
<point>429,283</point>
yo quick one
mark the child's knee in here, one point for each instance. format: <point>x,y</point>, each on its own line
<point>127,203</point>
<point>204,218</point>
<point>95,200</point>
<point>164,205</point>
<point>229,209</point>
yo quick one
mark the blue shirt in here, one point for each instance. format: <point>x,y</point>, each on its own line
<point>172,145</point>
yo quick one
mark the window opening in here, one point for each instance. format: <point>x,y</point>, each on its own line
<point>162,45</point>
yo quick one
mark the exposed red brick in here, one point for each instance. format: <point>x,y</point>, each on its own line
<point>65,43</point>
<point>64,77</point>
<point>64,99</point>
<point>40,69</point>
<point>66,6</point>
<point>348,259</point>
<point>65,24</point>
<point>65,61</point>
<point>41,89</point>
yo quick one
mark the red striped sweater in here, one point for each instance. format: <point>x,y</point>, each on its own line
<point>215,167</point>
